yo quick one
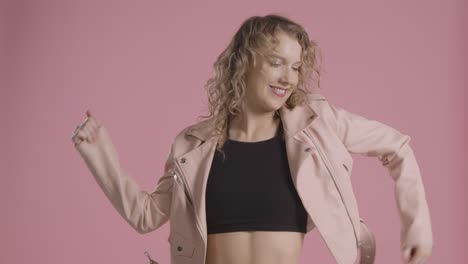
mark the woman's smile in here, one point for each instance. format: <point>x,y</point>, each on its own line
<point>278,91</point>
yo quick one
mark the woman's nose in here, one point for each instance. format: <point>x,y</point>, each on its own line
<point>286,78</point>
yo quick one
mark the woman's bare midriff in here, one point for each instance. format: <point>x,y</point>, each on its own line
<point>254,247</point>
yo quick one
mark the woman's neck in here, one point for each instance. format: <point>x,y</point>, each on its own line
<point>252,128</point>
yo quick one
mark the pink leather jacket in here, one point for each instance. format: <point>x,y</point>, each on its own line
<point>319,139</point>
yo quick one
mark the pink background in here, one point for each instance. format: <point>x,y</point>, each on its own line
<point>140,66</point>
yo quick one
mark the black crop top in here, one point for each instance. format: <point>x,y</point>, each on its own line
<point>252,190</point>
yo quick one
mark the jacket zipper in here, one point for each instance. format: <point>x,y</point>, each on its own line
<point>189,199</point>
<point>324,159</point>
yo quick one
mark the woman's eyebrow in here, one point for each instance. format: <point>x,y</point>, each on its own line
<point>280,57</point>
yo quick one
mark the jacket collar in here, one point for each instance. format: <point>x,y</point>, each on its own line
<point>294,120</point>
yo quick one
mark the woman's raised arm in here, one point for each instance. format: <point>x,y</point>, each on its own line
<point>142,210</point>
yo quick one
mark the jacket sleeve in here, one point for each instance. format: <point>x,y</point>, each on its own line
<point>391,147</point>
<point>142,210</point>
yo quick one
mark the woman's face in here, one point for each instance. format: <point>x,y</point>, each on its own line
<point>279,68</point>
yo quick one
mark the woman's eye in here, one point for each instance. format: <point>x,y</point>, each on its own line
<point>279,64</point>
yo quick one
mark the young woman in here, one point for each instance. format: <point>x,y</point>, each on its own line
<point>270,163</point>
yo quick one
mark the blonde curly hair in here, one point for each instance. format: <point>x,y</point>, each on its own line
<point>256,35</point>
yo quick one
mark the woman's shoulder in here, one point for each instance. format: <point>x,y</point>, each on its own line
<point>187,138</point>
<point>195,132</point>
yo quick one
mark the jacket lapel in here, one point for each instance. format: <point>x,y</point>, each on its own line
<point>196,169</point>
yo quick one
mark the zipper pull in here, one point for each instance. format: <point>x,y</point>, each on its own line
<point>175,175</point>
<point>151,261</point>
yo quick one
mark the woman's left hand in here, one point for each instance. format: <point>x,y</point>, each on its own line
<point>416,254</point>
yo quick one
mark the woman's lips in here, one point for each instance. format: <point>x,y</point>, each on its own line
<point>278,91</point>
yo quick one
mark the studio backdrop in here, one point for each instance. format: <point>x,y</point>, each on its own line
<point>141,67</point>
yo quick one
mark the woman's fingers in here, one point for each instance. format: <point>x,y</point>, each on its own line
<point>93,126</point>
<point>86,130</point>
<point>89,132</point>
<point>92,120</point>
<point>415,255</point>
<point>407,255</point>
<point>78,128</point>
<point>93,123</point>
<point>80,136</point>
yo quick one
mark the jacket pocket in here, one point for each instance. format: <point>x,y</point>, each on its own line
<point>180,246</point>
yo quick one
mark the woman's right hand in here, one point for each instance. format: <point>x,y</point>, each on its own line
<point>91,139</point>
<point>87,131</point>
